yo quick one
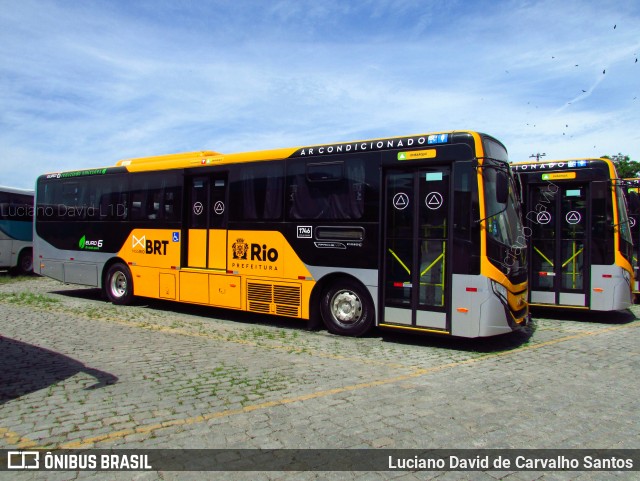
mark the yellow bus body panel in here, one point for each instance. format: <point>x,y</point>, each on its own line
<point>197,248</point>
<point>152,248</point>
<point>218,249</point>
<point>263,254</point>
<point>194,287</point>
<point>256,271</point>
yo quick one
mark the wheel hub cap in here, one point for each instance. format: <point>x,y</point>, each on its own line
<point>346,307</point>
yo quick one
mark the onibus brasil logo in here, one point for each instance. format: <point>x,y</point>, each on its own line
<point>89,245</point>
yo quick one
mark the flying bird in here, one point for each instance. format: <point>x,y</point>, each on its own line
<point>584,90</point>
<point>614,27</point>
<point>604,71</point>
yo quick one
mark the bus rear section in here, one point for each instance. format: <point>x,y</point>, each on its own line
<point>580,246</point>
<point>419,233</point>
<point>16,230</point>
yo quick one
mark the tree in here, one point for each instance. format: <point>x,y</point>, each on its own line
<point>625,167</point>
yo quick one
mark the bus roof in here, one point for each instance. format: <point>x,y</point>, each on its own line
<point>558,161</point>
<point>189,159</point>
<point>209,157</point>
<point>536,167</point>
<point>15,190</point>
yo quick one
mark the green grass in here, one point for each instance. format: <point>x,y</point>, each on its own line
<point>9,279</point>
<point>28,299</point>
<point>233,381</point>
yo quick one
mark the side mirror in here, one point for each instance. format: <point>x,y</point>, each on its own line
<point>502,187</point>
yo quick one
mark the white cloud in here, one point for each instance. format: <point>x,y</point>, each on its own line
<point>85,84</point>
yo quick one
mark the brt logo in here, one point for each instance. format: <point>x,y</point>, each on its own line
<point>142,245</point>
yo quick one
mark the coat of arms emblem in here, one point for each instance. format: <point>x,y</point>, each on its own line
<point>240,249</point>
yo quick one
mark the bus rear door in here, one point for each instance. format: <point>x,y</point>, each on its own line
<point>206,226</point>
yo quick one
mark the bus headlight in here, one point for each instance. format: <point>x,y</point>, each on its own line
<point>499,290</point>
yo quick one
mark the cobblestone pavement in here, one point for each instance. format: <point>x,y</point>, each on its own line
<point>78,372</point>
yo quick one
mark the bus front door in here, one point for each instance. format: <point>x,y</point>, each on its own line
<point>206,233</point>
<point>416,288</point>
<point>559,224</point>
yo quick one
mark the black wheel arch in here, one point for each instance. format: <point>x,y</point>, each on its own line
<point>315,316</point>
<point>106,267</point>
<point>18,269</point>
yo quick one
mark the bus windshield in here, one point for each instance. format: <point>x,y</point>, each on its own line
<point>503,221</point>
<point>578,234</point>
<point>626,241</point>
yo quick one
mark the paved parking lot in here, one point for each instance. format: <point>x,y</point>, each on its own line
<point>77,372</point>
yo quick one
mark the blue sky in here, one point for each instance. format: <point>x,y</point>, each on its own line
<point>86,83</point>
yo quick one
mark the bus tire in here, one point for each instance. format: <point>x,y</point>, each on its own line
<point>346,308</point>
<point>118,284</point>
<point>25,263</point>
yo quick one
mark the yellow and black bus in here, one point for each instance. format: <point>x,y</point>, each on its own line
<point>631,188</point>
<point>579,239</point>
<point>416,233</point>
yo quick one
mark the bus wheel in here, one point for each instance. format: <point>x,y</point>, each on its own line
<point>347,308</point>
<point>119,284</point>
<point>25,263</point>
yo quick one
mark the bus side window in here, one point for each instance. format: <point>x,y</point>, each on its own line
<point>305,202</point>
<point>602,223</point>
<point>465,210</point>
<point>257,190</point>
<point>332,190</point>
<point>113,206</point>
<point>172,204</point>
<point>634,202</point>
<point>4,205</point>
<point>137,203</point>
<point>154,197</point>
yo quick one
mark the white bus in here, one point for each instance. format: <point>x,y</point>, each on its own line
<point>16,230</point>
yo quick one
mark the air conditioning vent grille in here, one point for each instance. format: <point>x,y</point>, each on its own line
<point>279,299</point>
